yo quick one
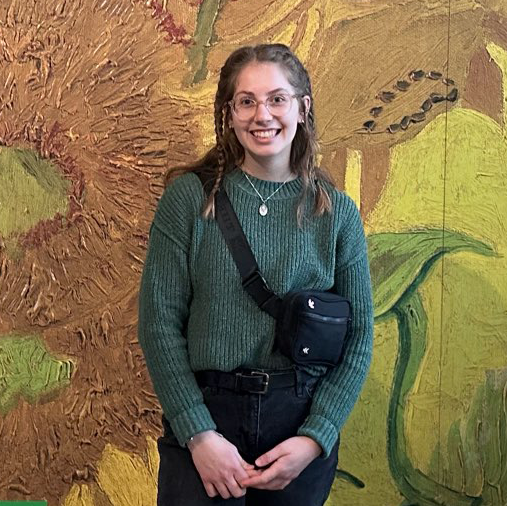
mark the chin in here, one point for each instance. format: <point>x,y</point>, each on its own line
<point>268,150</point>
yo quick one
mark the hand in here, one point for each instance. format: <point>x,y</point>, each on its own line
<point>219,465</point>
<point>286,461</point>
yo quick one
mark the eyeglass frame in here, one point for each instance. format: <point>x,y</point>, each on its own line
<point>264,103</point>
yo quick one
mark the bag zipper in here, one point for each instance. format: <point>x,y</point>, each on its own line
<point>325,319</point>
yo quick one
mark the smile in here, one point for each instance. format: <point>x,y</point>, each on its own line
<point>264,134</point>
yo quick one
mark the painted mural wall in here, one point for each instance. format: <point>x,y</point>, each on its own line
<point>98,97</point>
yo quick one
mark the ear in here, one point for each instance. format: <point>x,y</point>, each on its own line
<point>303,114</point>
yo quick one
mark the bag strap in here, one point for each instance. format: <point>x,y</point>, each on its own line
<point>251,278</point>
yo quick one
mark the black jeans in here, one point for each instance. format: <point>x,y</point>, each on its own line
<point>254,423</point>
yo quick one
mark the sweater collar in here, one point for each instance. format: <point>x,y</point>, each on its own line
<point>290,189</point>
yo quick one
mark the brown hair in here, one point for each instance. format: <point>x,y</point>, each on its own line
<point>228,153</point>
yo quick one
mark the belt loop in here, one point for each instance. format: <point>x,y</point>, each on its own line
<point>237,382</point>
<point>299,382</point>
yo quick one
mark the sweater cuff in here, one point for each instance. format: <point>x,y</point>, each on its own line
<point>321,431</point>
<point>190,422</point>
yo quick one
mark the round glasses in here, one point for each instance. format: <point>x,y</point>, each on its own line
<point>245,107</point>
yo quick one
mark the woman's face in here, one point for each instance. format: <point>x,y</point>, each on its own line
<point>266,138</point>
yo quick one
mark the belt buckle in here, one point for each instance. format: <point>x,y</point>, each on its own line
<point>250,374</point>
<point>265,381</point>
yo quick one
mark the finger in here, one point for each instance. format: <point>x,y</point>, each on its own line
<point>210,489</point>
<point>277,485</point>
<point>272,485</point>
<point>246,466</point>
<point>223,490</point>
<point>243,474</point>
<point>240,472</point>
<point>263,478</point>
<point>235,488</point>
<point>252,472</point>
<point>269,457</point>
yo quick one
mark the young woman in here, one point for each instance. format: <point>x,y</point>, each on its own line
<point>230,438</point>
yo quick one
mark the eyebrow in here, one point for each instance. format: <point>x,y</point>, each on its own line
<point>277,90</point>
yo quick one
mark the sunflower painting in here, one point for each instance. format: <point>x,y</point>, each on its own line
<point>99,97</point>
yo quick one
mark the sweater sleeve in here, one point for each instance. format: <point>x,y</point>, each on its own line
<point>339,389</point>
<point>164,299</point>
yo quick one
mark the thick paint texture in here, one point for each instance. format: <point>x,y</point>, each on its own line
<point>99,98</point>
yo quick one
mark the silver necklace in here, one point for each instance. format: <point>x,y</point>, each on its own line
<point>263,208</point>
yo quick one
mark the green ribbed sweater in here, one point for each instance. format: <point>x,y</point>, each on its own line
<point>195,315</point>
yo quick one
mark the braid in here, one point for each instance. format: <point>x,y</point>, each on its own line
<point>311,174</point>
<point>311,118</point>
<point>221,160</point>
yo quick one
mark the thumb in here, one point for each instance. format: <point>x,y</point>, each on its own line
<point>269,457</point>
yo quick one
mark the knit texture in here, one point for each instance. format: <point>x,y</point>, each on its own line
<point>195,315</point>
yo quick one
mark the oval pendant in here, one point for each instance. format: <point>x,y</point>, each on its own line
<point>263,210</point>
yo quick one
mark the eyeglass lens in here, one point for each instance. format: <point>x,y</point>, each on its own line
<point>277,105</point>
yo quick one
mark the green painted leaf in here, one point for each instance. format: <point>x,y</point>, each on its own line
<point>31,189</point>
<point>400,261</point>
<point>477,445</point>
<point>489,417</point>
<point>29,371</point>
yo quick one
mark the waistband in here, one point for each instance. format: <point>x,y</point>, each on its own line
<point>255,381</point>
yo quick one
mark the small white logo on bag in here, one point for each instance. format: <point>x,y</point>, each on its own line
<point>306,350</point>
<point>311,304</point>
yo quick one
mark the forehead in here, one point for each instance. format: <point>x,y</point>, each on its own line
<point>260,78</point>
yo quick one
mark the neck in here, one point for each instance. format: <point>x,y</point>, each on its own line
<point>269,170</point>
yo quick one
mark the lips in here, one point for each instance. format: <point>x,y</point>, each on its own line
<point>265,134</point>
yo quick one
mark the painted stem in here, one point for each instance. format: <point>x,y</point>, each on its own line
<point>203,38</point>
<point>417,488</point>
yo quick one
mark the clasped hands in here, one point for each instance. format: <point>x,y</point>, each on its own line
<point>224,472</point>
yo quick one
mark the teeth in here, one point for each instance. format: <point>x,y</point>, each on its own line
<point>265,133</point>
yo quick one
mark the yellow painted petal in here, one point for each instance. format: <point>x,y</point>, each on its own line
<point>353,175</point>
<point>285,37</point>
<point>199,99</point>
<point>312,25</point>
<point>153,457</point>
<point>335,11</point>
<point>500,56</point>
<point>475,192</point>
<point>140,489</point>
<point>242,22</point>
<point>199,95</point>
<point>79,495</point>
<point>205,122</point>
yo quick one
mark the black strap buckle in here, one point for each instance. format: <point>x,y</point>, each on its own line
<point>255,279</point>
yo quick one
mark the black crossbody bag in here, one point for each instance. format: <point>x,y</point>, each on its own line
<point>311,325</point>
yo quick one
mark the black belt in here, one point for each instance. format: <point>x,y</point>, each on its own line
<point>249,381</point>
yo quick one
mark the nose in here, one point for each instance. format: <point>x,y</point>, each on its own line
<point>262,112</point>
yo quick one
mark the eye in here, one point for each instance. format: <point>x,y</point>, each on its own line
<point>245,102</point>
<point>279,99</point>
